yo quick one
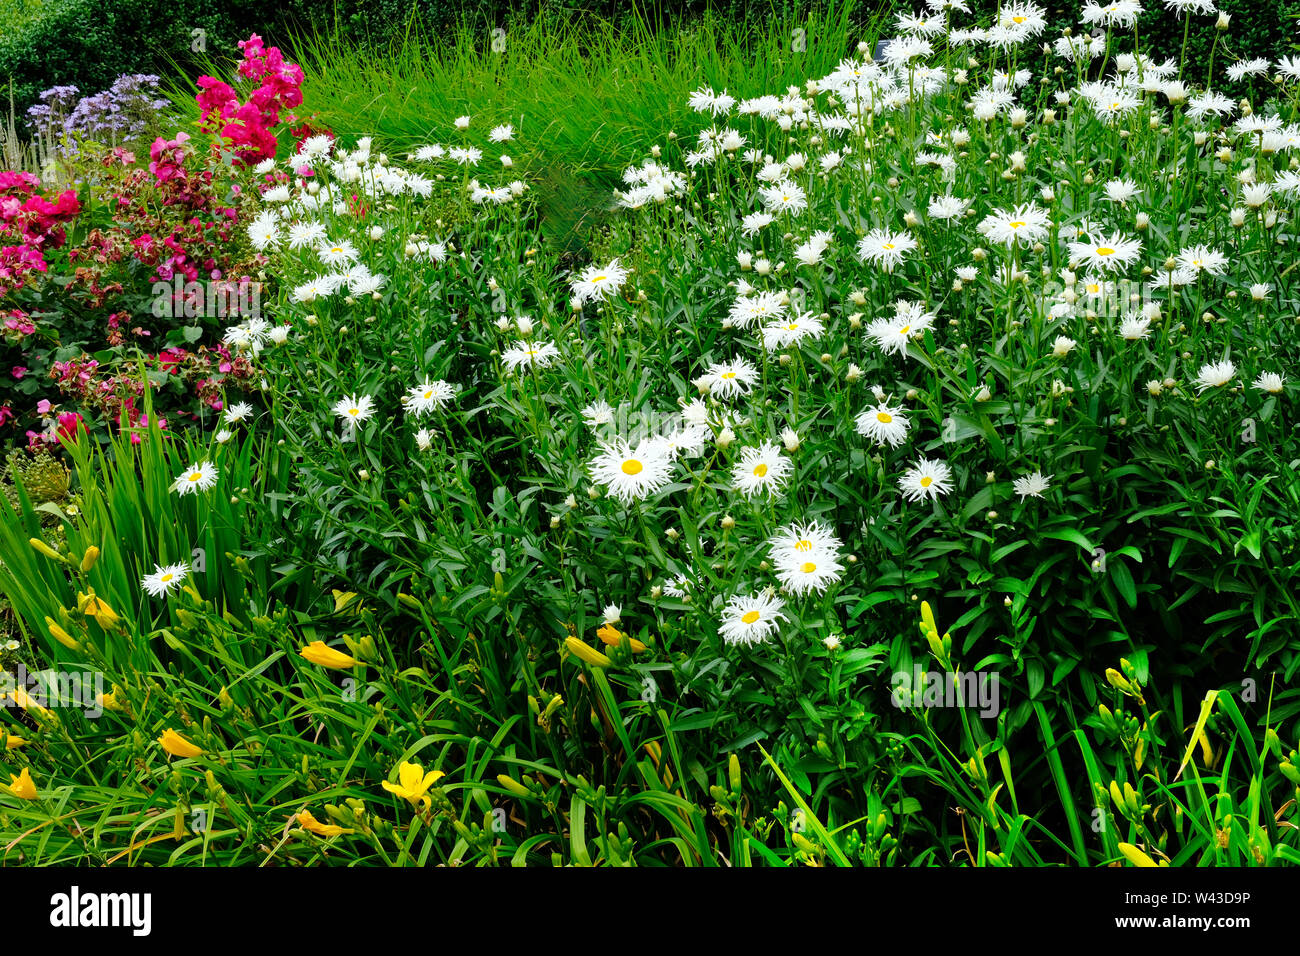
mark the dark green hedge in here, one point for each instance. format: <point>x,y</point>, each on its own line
<point>91,42</point>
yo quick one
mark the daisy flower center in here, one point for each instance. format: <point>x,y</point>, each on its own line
<point>760,471</point>
<point>888,245</point>
<point>884,417</point>
<point>804,545</point>
<point>196,476</point>
<point>749,617</point>
<point>1105,251</point>
<point>808,567</point>
<point>632,467</point>
<point>1015,225</point>
<point>905,329</point>
<point>166,577</point>
<point>728,375</point>
<point>927,481</point>
<point>354,412</point>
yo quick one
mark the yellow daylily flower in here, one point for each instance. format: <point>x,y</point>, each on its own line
<point>309,822</point>
<point>413,783</point>
<point>178,746</point>
<point>13,741</point>
<point>91,605</point>
<point>319,653</point>
<point>23,786</point>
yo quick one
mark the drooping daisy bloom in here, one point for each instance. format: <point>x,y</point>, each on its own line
<point>886,249</point>
<point>749,619</point>
<point>752,224</point>
<point>428,397</point>
<point>304,234</point>
<point>1121,190</point>
<point>883,424</point>
<point>598,413</point>
<point>631,474</point>
<point>1107,254</point>
<point>791,331</point>
<point>1063,345</point>
<point>264,231</point>
<point>1270,382</point>
<point>354,408</point>
<point>424,439</point>
<point>1214,374</point>
<point>728,380</point>
<point>1135,327</point>
<point>756,307</point>
<point>529,354</point>
<point>501,133</point>
<point>238,412</point>
<point>926,479</point>
<point>802,540</point>
<point>1025,224</point>
<point>761,469</point>
<point>598,282</point>
<point>196,478</point>
<point>1031,485</point>
<point>165,579</point>
<point>947,207</point>
<point>892,335</point>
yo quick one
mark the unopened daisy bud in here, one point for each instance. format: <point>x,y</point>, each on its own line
<point>555,522</point>
<point>1237,217</point>
<point>1006,601</point>
<point>790,438</point>
<point>909,219</point>
<point>728,522</point>
<point>1222,22</point>
<point>763,267</point>
<point>672,534</point>
<point>983,395</point>
<point>853,374</point>
<point>979,254</point>
<point>990,477</point>
<point>783,360</point>
<point>992,516</point>
<point>725,438</point>
<point>376,233</point>
<point>911,394</point>
<point>363,475</point>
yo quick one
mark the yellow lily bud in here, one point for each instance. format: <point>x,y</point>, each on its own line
<point>45,549</point>
<point>611,636</point>
<point>587,653</point>
<point>927,618</point>
<point>13,741</point>
<point>178,746</point>
<point>513,785</point>
<point>318,653</point>
<point>60,635</point>
<point>89,558</point>
<point>1136,856</point>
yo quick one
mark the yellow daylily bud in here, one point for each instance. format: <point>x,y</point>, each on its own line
<point>309,822</point>
<point>513,785</point>
<point>1136,856</point>
<point>587,653</point>
<point>178,746</point>
<point>23,786</point>
<point>13,741</point>
<point>927,618</point>
<point>319,653</point>
<point>24,700</point>
<point>60,635</point>
<point>45,549</point>
<point>611,636</point>
<point>410,601</point>
<point>89,558</point>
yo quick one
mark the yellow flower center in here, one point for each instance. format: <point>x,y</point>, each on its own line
<point>749,617</point>
<point>927,481</point>
<point>599,279</point>
<point>1017,19</point>
<point>1105,251</point>
<point>884,417</point>
<point>808,567</point>
<point>1015,225</point>
<point>793,327</point>
<point>760,471</point>
<point>428,394</point>
<point>905,329</point>
<point>354,412</point>
<point>196,476</point>
<point>728,375</point>
<point>632,467</point>
<point>166,577</point>
<point>804,545</point>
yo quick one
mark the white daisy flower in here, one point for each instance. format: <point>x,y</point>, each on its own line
<point>428,396</point>
<point>1031,485</point>
<point>761,469</point>
<point>198,477</point>
<point>749,619</point>
<point>926,479</point>
<point>1214,374</point>
<point>529,354</point>
<point>354,408</point>
<point>164,579</point>
<point>632,474</point>
<point>883,424</point>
